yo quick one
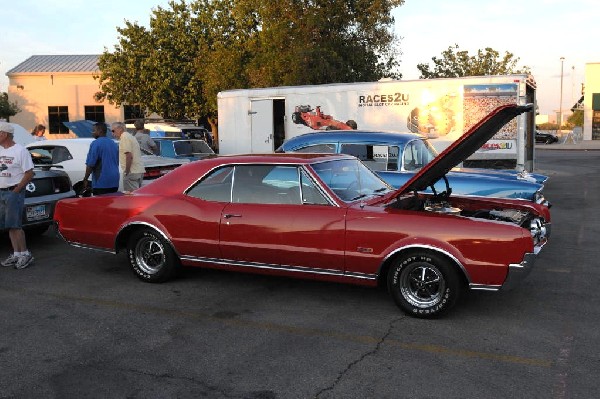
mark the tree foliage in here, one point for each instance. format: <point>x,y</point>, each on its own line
<point>455,63</point>
<point>7,109</point>
<point>575,119</point>
<point>191,51</point>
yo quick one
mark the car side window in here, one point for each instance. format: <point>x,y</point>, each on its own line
<point>266,184</point>
<point>310,193</point>
<point>417,154</point>
<point>317,149</point>
<point>376,157</point>
<point>61,154</point>
<point>216,186</point>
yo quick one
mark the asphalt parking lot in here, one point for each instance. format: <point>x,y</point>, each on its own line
<point>80,324</point>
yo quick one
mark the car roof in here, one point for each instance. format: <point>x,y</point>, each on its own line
<point>354,136</point>
<point>178,179</point>
<point>84,142</point>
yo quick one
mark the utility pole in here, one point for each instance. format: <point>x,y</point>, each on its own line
<point>562,62</point>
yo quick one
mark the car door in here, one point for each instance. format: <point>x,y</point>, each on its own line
<point>278,218</point>
<point>195,223</point>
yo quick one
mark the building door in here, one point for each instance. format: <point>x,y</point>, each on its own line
<point>261,126</point>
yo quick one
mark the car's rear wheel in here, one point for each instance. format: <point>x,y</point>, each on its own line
<point>549,140</point>
<point>151,256</point>
<point>424,284</point>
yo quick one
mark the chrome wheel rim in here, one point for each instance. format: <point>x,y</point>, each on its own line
<point>150,254</point>
<point>422,286</point>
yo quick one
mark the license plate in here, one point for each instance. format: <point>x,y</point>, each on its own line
<point>36,212</point>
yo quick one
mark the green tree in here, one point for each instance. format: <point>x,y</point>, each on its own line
<point>455,63</point>
<point>154,67</point>
<point>191,51</point>
<point>575,119</point>
<point>7,108</point>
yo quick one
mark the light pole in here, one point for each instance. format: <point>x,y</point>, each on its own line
<point>562,63</point>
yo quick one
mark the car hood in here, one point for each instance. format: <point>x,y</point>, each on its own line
<point>462,148</point>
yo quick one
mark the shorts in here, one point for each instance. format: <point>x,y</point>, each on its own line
<point>11,209</point>
<point>132,181</point>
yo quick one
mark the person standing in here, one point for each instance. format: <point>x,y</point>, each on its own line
<point>38,132</point>
<point>16,171</point>
<point>147,145</point>
<point>102,163</point>
<point>130,158</point>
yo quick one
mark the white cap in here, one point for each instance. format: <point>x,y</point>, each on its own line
<point>7,128</point>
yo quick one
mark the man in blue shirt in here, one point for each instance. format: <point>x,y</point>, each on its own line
<point>102,163</point>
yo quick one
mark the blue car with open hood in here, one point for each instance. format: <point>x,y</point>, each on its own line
<point>396,157</point>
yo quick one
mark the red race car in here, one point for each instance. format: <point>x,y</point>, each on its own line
<point>322,217</point>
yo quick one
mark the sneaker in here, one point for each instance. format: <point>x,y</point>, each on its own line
<point>10,261</point>
<point>24,261</point>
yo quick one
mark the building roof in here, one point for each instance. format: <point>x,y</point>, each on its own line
<point>57,63</point>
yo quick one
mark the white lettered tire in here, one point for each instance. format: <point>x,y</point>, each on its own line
<point>151,256</point>
<point>424,284</point>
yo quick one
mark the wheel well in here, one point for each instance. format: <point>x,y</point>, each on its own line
<point>383,271</point>
<point>123,236</point>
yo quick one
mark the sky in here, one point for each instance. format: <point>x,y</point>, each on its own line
<point>538,32</point>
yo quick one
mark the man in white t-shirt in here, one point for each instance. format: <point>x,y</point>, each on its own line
<point>16,171</point>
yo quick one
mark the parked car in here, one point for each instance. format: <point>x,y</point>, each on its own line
<point>322,217</point>
<point>544,137</point>
<point>70,154</point>
<point>396,157</point>
<point>183,148</point>
<point>48,186</point>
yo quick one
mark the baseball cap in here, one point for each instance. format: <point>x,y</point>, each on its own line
<point>7,127</point>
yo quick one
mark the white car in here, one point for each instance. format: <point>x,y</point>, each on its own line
<point>70,154</point>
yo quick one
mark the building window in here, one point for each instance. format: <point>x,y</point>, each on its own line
<point>132,112</point>
<point>94,113</point>
<point>56,116</point>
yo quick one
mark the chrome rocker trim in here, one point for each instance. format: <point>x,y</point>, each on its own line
<point>286,268</point>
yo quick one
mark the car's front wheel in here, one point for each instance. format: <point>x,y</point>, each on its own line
<point>151,256</point>
<point>424,284</point>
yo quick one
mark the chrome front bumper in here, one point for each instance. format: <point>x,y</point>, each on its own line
<point>517,272</point>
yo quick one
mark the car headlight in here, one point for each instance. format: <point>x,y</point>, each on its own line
<point>537,230</point>
<point>539,198</point>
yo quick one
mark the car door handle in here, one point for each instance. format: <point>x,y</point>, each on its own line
<point>231,215</point>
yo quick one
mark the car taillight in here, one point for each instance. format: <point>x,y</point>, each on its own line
<point>62,184</point>
<point>158,172</point>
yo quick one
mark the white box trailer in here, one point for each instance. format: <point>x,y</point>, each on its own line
<point>259,120</point>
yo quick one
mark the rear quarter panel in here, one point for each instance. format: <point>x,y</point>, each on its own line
<point>95,221</point>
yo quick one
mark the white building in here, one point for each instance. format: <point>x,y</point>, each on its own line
<point>51,89</point>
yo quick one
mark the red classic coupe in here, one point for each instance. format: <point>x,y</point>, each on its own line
<point>323,217</point>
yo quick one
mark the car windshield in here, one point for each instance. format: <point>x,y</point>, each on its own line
<point>350,179</point>
<point>190,147</point>
<point>417,154</point>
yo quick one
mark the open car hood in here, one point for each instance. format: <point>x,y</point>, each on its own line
<point>462,148</point>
